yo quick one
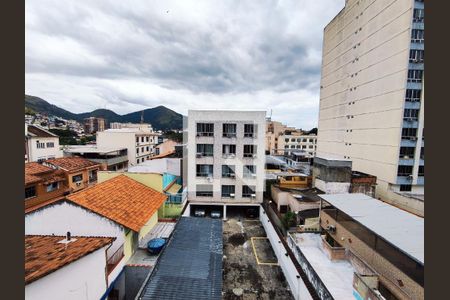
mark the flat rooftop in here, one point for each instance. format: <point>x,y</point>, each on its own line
<point>336,275</point>
<point>190,267</point>
<point>400,228</point>
<point>91,149</point>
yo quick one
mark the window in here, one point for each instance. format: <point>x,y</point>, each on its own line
<point>292,140</point>
<point>137,139</point>
<point>311,146</point>
<point>405,188</point>
<point>409,114</point>
<point>404,170</point>
<point>138,161</point>
<point>40,145</point>
<point>409,132</point>
<point>147,139</point>
<point>303,146</point>
<point>304,140</point>
<point>248,191</point>
<point>228,171</point>
<point>147,148</point>
<point>407,152</point>
<point>298,147</point>
<point>40,160</point>
<point>415,75</point>
<point>229,130</point>
<point>137,150</point>
<point>249,130</point>
<point>418,15</point>
<point>142,149</point>
<point>204,190</point>
<point>30,192</point>
<point>92,175</point>
<point>227,149</point>
<point>249,150</point>
<point>205,149</point>
<point>299,140</point>
<point>286,140</point>
<point>52,187</point>
<point>422,153</point>
<point>228,191</point>
<point>204,170</point>
<point>416,56</point>
<point>50,145</point>
<point>421,171</point>
<point>77,178</point>
<point>249,171</point>
<point>286,146</point>
<point>417,36</point>
<point>412,95</point>
<point>205,129</point>
<point>142,139</point>
<point>292,146</point>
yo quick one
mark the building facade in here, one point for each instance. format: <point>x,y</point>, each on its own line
<point>140,142</point>
<point>273,131</point>
<point>372,98</point>
<point>93,124</point>
<point>291,142</point>
<point>225,156</point>
<point>40,144</point>
<point>110,159</point>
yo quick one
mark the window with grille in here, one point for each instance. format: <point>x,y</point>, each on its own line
<point>204,170</point>
<point>249,130</point>
<point>249,171</point>
<point>413,95</point>
<point>205,129</point>
<point>228,191</point>
<point>228,171</point>
<point>249,150</point>
<point>418,15</point>
<point>205,149</point>
<point>409,132</point>
<point>229,130</point>
<point>404,170</point>
<point>407,152</point>
<point>416,56</point>
<point>415,75</point>
<point>417,35</point>
<point>411,114</point>
<point>248,191</point>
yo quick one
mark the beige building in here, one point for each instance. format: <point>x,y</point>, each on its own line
<point>93,124</point>
<point>371,97</point>
<point>273,131</point>
<point>293,142</point>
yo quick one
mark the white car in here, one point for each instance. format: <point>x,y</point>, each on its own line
<point>215,214</point>
<point>199,213</point>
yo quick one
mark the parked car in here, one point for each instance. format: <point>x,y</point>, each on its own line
<point>199,213</point>
<point>251,213</point>
<point>215,214</point>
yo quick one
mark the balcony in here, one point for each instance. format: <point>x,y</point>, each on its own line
<point>114,259</point>
<point>111,161</point>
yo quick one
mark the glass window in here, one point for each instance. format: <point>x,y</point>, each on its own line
<point>50,145</point>
<point>147,139</point>
<point>205,149</point>
<point>249,150</point>
<point>204,190</point>
<point>412,95</point>
<point>137,139</point>
<point>228,191</point>
<point>405,188</point>
<point>415,75</point>
<point>421,170</point>
<point>229,130</point>
<point>52,187</point>
<point>228,149</point>
<point>418,15</point>
<point>228,171</point>
<point>142,139</point>
<point>77,178</point>
<point>249,130</point>
<point>249,171</point>
<point>407,151</point>
<point>30,192</point>
<point>248,191</point>
<point>416,56</point>
<point>92,175</point>
<point>404,170</point>
<point>409,132</point>
<point>205,129</point>
<point>411,113</point>
<point>204,170</point>
<point>417,35</point>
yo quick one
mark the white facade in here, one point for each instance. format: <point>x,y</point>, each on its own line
<point>206,184</point>
<point>84,278</point>
<point>367,112</point>
<point>140,142</point>
<point>60,218</point>
<point>290,142</point>
<point>159,165</point>
<point>40,148</point>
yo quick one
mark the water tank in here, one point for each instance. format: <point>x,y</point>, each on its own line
<point>154,246</point>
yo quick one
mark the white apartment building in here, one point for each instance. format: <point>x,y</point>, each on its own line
<point>40,144</point>
<point>139,141</point>
<point>289,143</point>
<point>372,97</point>
<point>118,125</point>
<point>225,157</point>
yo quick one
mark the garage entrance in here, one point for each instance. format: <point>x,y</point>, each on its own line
<point>243,211</point>
<point>207,208</point>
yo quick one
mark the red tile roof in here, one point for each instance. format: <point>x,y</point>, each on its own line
<point>44,255</point>
<point>35,172</point>
<point>71,164</point>
<point>121,199</point>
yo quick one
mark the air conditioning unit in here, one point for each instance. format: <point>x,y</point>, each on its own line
<point>199,155</point>
<point>209,178</point>
<point>254,155</point>
<point>232,155</point>
<point>232,175</point>
<point>231,195</point>
<point>410,177</point>
<point>253,175</point>
<point>406,157</point>
<point>253,195</point>
<point>413,138</point>
<point>331,228</point>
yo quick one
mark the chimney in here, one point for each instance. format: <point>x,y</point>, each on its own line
<point>68,236</point>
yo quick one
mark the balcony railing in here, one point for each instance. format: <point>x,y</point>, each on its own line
<point>114,259</point>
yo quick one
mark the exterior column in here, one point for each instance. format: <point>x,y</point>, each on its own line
<point>224,212</point>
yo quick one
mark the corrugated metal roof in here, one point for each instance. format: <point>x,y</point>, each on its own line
<point>191,265</point>
<point>400,228</point>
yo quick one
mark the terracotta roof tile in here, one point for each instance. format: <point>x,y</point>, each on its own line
<point>121,199</point>
<point>44,255</point>
<point>35,172</point>
<point>71,163</point>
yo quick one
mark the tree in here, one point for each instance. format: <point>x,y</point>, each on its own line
<point>288,220</point>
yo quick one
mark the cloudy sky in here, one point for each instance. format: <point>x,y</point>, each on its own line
<point>131,55</point>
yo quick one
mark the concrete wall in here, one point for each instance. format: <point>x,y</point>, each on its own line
<point>152,180</point>
<point>218,118</point>
<point>43,153</point>
<point>84,278</point>
<point>149,225</point>
<point>332,187</point>
<point>297,286</point>
<point>134,278</point>
<point>389,274</point>
<point>62,217</point>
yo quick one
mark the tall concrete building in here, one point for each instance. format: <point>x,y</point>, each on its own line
<point>93,124</point>
<point>372,96</point>
<point>225,157</point>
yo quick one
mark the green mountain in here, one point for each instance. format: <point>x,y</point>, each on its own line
<point>161,117</point>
